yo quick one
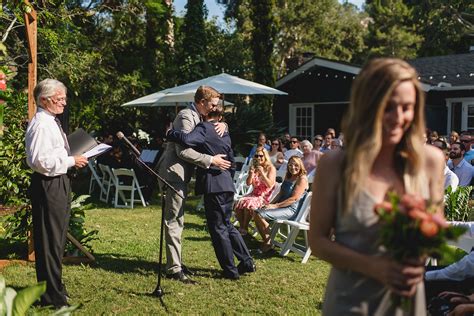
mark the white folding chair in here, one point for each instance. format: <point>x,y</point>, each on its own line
<point>300,223</point>
<point>121,187</point>
<point>310,177</point>
<point>107,182</point>
<point>95,177</point>
<point>239,166</point>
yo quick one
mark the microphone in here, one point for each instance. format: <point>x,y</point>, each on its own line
<point>121,136</point>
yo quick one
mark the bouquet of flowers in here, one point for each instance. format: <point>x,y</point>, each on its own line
<point>410,229</point>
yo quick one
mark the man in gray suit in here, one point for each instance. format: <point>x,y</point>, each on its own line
<point>176,165</point>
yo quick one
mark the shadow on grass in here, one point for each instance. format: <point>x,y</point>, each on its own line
<point>117,263</point>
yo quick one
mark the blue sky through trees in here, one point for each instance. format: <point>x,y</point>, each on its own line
<point>218,10</point>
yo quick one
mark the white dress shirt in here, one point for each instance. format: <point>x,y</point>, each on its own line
<point>450,179</point>
<point>46,146</point>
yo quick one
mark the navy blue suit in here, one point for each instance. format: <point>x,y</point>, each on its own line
<point>218,189</point>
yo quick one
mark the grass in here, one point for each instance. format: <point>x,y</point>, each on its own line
<point>125,272</point>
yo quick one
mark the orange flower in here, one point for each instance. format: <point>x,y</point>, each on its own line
<point>413,201</point>
<point>382,207</point>
<point>429,228</point>
<point>418,214</point>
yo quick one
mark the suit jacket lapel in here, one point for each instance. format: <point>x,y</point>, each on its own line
<point>196,115</point>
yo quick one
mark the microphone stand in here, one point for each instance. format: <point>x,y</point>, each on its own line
<point>158,291</point>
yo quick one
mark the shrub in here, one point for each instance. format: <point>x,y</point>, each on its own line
<point>457,207</point>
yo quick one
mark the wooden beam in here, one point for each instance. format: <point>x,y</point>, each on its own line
<point>31,25</point>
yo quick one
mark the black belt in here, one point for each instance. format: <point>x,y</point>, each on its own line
<point>44,177</point>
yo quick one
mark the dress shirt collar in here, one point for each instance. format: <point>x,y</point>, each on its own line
<point>44,112</point>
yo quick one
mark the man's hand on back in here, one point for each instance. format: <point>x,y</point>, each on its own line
<point>220,128</point>
<point>220,162</point>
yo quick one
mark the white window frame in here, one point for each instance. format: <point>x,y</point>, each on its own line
<point>464,113</point>
<point>292,117</point>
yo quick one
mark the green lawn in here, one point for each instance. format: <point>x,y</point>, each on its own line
<point>125,273</point>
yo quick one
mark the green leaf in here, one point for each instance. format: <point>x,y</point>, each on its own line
<point>26,297</point>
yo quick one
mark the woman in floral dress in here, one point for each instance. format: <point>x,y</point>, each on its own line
<point>261,176</point>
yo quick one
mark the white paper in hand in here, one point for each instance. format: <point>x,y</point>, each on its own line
<point>97,150</point>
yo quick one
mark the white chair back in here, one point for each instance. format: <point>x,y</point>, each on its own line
<point>121,187</point>
<point>95,177</point>
<point>107,182</point>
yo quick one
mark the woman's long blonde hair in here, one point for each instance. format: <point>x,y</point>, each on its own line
<point>267,163</point>
<point>363,126</point>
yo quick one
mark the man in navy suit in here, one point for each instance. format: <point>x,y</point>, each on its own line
<point>218,189</point>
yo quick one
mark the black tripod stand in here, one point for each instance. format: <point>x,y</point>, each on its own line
<point>158,291</point>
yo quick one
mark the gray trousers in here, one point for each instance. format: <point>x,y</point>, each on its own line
<point>174,224</point>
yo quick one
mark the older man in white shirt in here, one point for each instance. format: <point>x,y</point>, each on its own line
<point>48,154</point>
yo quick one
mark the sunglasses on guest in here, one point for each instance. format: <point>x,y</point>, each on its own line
<point>258,156</point>
<point>275,144</point>
<point>295,141</point>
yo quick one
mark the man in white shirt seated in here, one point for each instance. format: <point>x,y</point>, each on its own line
<point>450,178</point>
<point>294,149</point>
<point>459,166</point>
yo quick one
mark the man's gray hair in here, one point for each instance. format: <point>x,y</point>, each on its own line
<point>47,88</point>
<point>307,143</point>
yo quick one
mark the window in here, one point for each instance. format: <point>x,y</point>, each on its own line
<point>460,114</point>
<point>301,120</point>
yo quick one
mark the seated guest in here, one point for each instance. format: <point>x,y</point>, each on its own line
<point>262,177</point>
<point>466,139</point>
<point>276,154</point>
<point>294,149</point>
<point>327,143</point>
<point>310,157</point>
<point>453,137</point>
<point>261,141</point>
<point>450,178</point>
<point>292,190</point>
<point>318,142</point>
<point>461,305</point>
<point>336,144</point>
<point>115,158</point>
<point>459,166</point>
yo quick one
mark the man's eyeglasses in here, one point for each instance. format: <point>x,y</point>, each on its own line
<point>258,156</point>
<point>57,100</point>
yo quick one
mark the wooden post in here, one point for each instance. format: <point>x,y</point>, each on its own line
<point>31,35</point>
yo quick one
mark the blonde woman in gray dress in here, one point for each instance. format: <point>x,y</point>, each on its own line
<point>383,152</point>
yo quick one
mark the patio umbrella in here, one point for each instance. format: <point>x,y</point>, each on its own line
<point>165,99</point>
<point>226,84</point>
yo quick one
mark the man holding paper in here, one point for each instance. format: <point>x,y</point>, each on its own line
<point>48,154</point>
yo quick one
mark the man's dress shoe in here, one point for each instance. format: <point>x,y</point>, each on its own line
<point>182,277</point>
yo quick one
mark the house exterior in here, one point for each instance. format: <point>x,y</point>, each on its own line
<point>319,92</point>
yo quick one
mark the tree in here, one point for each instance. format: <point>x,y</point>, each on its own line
<point>326,28</point>
<point>443,26</point>
<point>262,43</point>
<point>392,31</point>
<point>193,57</point>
